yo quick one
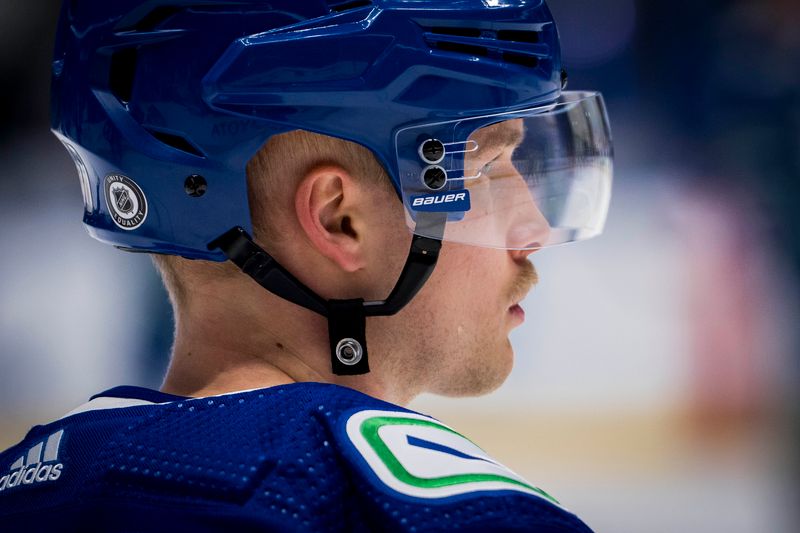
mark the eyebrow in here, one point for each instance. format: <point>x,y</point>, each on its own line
<point>504,135</point>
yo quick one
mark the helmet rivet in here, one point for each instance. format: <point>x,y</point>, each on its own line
<point>195,186</point>
<point>349,351</point>
<point>432,151</point>
<point>434,177</point>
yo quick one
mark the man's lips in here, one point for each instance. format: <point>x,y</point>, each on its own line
<point>517,312</point>
<point>526,279</point>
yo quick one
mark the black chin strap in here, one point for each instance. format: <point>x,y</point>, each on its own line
<point>346,318</point>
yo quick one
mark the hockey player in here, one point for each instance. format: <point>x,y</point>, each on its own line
<point>343,196</point>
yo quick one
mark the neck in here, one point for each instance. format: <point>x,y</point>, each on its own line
<point>221,347</point>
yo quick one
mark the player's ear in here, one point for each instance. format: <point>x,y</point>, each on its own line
<point>329,206</point>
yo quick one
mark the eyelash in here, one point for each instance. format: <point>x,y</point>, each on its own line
<point>488,166</point>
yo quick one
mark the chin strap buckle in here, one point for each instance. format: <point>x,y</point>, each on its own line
<point>347,324</point>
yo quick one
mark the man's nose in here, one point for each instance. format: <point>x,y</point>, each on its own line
<point>528,229</point>
<point>526,238</point>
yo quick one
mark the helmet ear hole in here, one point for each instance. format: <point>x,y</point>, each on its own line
<point>195,186</point>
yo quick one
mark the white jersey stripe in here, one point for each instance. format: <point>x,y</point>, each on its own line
<point>106,403</point>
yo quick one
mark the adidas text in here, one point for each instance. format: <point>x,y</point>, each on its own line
<point>35,467</point>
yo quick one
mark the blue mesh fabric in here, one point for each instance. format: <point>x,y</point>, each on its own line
<point>263,460</point>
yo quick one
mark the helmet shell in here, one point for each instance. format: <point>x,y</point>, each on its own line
<point>161,91</point>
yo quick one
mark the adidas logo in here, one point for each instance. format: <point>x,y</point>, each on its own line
<point>35,468</point>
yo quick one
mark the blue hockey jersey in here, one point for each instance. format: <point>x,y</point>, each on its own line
<point>301,457</point>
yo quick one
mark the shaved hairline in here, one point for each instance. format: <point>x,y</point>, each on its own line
<point>277,168</point>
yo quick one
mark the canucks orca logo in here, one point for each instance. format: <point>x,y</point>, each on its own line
<point>420,457</point>
<point>126,202</point>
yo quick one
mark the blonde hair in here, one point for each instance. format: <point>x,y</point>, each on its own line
<point>272,175</point>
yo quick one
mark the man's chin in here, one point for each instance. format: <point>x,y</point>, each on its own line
<point>481,374</point>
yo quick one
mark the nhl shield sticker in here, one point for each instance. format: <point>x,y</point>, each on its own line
<point>126,202</point>
<point>418,456</point>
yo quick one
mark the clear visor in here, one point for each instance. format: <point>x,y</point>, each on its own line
<point>520,180</point>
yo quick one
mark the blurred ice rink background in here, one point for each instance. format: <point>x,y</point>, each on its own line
<point>656,375</point>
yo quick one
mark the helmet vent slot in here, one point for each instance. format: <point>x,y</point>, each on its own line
<point>521,59</point>
<point>511,46</point>
<point>155,17</point>
<point>347,5</point>
<point>458,32</point>
<point>175,141</point>
<point>461,48</point>
<point>146,18</point>
<point>518,36</point>
<point>121,73</point>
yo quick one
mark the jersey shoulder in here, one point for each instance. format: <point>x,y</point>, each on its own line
<point>424,475</point>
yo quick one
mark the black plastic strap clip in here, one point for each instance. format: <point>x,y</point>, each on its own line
<point>347,326</point>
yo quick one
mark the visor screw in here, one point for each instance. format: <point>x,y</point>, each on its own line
<point>564,79</point>
<point>349,351</point>
<point>434,177</point>
<point>432,151</point>
<point>195,186</point>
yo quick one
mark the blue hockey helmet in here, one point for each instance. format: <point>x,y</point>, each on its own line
<point>161,103</point>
